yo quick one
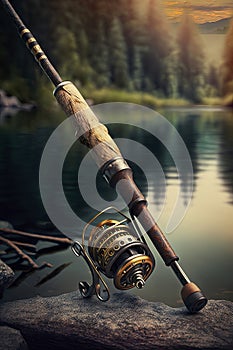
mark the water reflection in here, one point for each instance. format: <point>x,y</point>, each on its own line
<point>226,155</point>
<point>204,238</point>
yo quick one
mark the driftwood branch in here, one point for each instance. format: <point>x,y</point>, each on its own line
<point>59,240</point>
<point>26,245</point>
<point>20,252</point>
<point>10,237</point>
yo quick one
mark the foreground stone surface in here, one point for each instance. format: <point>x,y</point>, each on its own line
<point>6,275</point>
<point>125,322</point>
<point>11,339</point>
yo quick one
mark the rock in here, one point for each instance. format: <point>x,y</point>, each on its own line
<point>9,101</point>
<point>6,276</point>
<point>6,112</point>
<point>13,102</point>
<point>125,322</point>
<point>11,339</point>
<point>6,273</point>
<point>5,224</point>
<point>45,225</point>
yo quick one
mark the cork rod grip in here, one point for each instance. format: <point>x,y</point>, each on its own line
<point>89,130</point>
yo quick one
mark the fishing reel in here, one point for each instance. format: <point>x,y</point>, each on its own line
<point>117,249</point>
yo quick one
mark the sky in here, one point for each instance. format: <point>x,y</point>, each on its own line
<point>201,10</point>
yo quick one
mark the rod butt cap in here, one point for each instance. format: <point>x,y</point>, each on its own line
<point>193,298</point>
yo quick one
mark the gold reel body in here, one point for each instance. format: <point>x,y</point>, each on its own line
<point>118,250</point>
<point>119,253</point>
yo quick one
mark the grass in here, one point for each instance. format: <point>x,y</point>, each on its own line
<point>212,101</point>
<point>43,96</point>
<point>105,95</point>
<point>113,95</point>
<point>228,100</point>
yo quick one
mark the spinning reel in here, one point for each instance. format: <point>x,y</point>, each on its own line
<point>115,248</point>
<point>119,251</point>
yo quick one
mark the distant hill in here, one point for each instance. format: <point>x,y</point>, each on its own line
<point>219,27</point>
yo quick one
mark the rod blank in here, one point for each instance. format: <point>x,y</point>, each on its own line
<point>33,45</point>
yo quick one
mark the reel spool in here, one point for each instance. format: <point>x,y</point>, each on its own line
<point>118,250</point>
<point>120,254</point>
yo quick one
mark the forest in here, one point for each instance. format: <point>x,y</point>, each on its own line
<point>108,46</point>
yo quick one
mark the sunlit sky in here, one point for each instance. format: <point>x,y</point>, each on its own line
<point>202,11</point>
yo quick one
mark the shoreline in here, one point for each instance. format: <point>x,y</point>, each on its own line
<point>125,322</point>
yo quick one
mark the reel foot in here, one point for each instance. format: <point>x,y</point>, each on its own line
<point>193,297</point>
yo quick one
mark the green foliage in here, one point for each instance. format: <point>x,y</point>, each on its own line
<point>82,45</point>
<point>101,58</point>
<point>2,54</point>
<point>109,95</point>
<point>102,44</point>
<point>18,87</point>
<point>137,69</point>
<point>190,61</point>
<point>212,101</point>
<point>212,82</point>
<point>43,94</point>
<point>227,67</point>
<point>118,55</point>
<point>160,44</point>
<point>66,46</point>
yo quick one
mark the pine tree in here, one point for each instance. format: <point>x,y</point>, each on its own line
<point>159,58</point>
<point>135,36</point>
<point>169,82</point>
<point>212,81</point>
<point>3,55</point>
<point>137,73</point>
<point>100,57</point>
<point>82,45</point>
<point>118,55</point>
<point>227,67</point>
<point>190,60</point>
<point>68,64</point>
<point>133,25</point>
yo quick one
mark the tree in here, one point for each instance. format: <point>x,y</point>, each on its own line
<point>118,55</point>
<point>227,67</point>
<point>190,60</point>
<point>101,57</point>
<point>159,57</point>
<point>135,36</point>
<point>212,81</point>
<point>82,45</point>
<point>134,27</point>
<point>67,54</point>
<point>3,55</point>
<point>137,73</point>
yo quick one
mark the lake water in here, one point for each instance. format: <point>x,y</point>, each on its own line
<point>203,240</point>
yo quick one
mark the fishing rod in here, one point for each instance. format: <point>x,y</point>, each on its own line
<point>116,248</point>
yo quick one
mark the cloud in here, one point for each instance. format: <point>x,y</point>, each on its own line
<point>209,5</point>
<point>212,10</point>
<point>208,8</point>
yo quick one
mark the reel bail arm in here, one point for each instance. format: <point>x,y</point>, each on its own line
<point>98,285</point>
<point>116,249</point>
